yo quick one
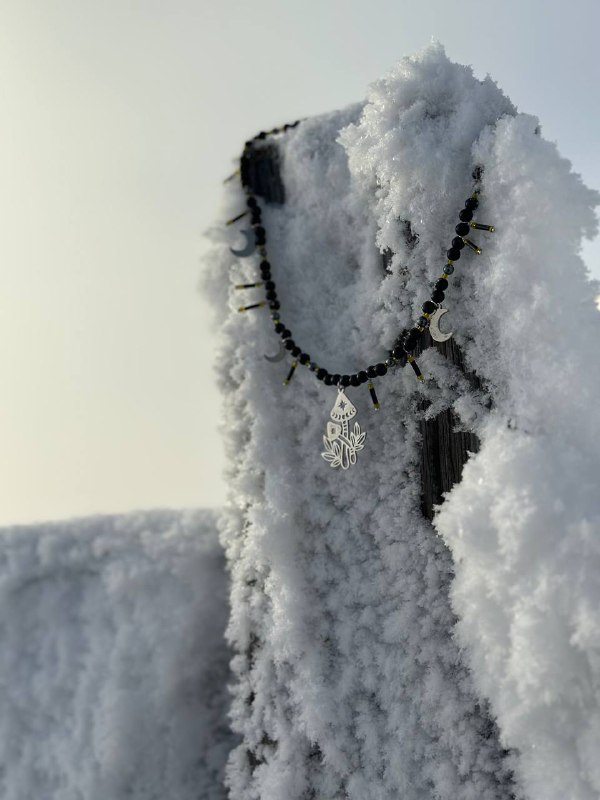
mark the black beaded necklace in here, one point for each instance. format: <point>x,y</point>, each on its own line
<point>341,444</point>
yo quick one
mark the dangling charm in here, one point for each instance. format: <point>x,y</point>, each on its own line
<point>249,247</point>
<point>434,325</point>
<point>341,444</point>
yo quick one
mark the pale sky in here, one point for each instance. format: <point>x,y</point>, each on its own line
<point>119,119</point>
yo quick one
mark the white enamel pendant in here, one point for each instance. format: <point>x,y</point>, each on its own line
<point>341,443</point>
<point>434,326</point>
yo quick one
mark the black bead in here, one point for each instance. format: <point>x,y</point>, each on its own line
<point>458,242</point>
<point>275,315</point>
<point>381,369</point>
<point>372,372</point>
<point>255,216</point>
<point>320,373</point>
<point>362,376</point>
<point>345,380</point>
<point>264,264</point>
<point>462,228</point>
<point>441,284</point>
<point>262,135</point>
<point>453,254</point>
<point>465,215</point>
<point>428,307</point>
<point>296,351</point>
<point>354,380</point>
<point>398,352</point>
<point>423,322</point>
<point>274,305</point>
<point>289,344</point>
<point>260,239</point>
<point>411,339</point>
<point>448,269</point>
<point>269,286</point>
<point>335,378</point>
<point>437,296</point>
<point>471,203</point>
<point>251,201</point>
<point>285,333</point>
<point>279,327</point>
<point>259,231</point>
<point>304,358</point>
<point>328,380</point>
<point>271,295</point>
<point>265,274</point>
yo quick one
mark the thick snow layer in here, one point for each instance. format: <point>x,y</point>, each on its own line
<point>113,666</point>
<point>524,525</point>
<point>352,678</point>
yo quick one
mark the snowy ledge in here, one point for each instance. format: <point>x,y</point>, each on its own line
<point>113,663</point>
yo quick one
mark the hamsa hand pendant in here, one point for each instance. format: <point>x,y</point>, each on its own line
<point>341,443</point>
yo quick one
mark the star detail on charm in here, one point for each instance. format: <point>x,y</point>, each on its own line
<point>342,444</point>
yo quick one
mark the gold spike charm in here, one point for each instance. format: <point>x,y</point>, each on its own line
<point>415,366</point>
<point>373,394</point>
<point>478,227</point>
<point>290,374</point>
<point>235,219</point>
<point>253,305</point>
<point>232,176</point>
<point>472,245</point>
<point>248,285</point>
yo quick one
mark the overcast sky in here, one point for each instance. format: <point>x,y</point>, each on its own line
<point>119,120</point>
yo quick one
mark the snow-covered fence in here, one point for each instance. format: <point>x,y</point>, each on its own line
<point>113,665</point>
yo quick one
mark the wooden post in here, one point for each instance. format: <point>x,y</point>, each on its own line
<point>444,449</point>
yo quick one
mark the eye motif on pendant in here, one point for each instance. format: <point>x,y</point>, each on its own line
<point>434,325</point>
<point>342,444</point>
<point>250,245</point>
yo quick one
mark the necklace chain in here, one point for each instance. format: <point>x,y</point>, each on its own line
<point>407,342</point>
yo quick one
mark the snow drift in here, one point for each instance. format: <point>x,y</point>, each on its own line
<point>113,666</point>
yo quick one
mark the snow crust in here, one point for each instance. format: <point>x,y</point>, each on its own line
<point>353,678</point>
<point>113,666</point>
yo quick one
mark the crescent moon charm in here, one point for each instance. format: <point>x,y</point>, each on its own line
<point>434,326</point>
<point>278,356</point>
<point>250,245</point>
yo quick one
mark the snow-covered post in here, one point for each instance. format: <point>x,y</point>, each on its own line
<point>379,655</point>
<point>445,447</point>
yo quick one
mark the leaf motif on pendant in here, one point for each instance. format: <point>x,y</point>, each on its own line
<point>342,444</point>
